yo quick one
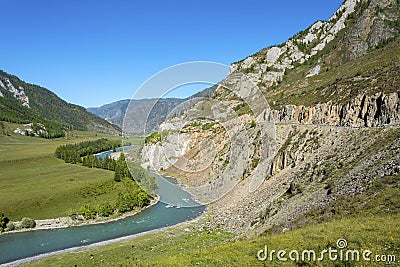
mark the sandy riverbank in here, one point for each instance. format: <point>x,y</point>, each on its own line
<point>64,222</point>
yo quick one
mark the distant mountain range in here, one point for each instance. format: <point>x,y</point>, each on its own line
<point>33,105</point>
<point>149,113</point>
<point>154,111</point>
<point>25,103</point>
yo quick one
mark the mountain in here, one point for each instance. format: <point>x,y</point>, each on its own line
<point>113,112</point>
<point>150,112</point>
<point>27,103</point>
<point>308,132</point>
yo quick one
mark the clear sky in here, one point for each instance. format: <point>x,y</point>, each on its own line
<point>92,52</point>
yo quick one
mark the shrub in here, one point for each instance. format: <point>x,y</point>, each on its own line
<point>10,226</point>
<point>105,209</point>
<point>3,221</point>
<point>87,211</point>
<point>143,199</point>
<point>154,138</point>
<point>28,223</point>
<point>207,126</point>
<point>72,214</point>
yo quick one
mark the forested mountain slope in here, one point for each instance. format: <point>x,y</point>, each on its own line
<point>26,103</point>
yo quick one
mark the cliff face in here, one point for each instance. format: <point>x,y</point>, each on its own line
<point>377,21</point>
<point>331,131</point>
<point>362,111</point>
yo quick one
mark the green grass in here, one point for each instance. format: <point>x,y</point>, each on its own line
<point>45,187</point>
<point>176,247</point>
<point>17,146</point>
<point>135,140</point>
<point>33,183</point>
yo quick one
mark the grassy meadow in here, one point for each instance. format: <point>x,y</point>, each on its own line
<point>33,183</point>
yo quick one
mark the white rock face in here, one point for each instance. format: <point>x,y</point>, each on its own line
<point>248,62</point>
<point>22,97</point>
<point>309,38</point>
<point>314,71</point>
<point>163,155</point>
<point>19,131</point>
<point>273,54</point>
<point>28,129</point>
<point>3,86</point>
<point>283,57</point>
<point>17,93</point>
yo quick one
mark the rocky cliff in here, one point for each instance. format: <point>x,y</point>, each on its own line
<point>362,111</point>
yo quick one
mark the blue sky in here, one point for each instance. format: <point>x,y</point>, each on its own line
<point>92,52</point>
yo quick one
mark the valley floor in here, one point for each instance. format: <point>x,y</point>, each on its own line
<point>33,183</point>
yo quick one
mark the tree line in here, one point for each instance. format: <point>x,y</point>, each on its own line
<point>72,153</point>
<point>133,197</point>
<point>120,167</point>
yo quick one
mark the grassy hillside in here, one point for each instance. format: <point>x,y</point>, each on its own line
<point>36,184</point>
<point>47,108</point>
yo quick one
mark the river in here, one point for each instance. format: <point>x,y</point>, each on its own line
<point>175,206</point>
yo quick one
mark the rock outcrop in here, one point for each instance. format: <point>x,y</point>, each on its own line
<point>18,94</point>
<point>373,22</point>
<point>362,111</point>
<point>374,26</point>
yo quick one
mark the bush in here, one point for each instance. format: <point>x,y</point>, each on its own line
<point>10,226</point>
<point>72,214</point>
<point>87,211</point>
<point>154,138</point>
<point>28,223</point>
<point>105,209</point>
<point>143,199</point>
<point>3,221</point>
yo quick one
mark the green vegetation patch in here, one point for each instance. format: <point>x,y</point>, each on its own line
<point>46,187</point>
<point>35,184</point>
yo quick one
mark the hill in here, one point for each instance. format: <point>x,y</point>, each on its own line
<point>26,103</point>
